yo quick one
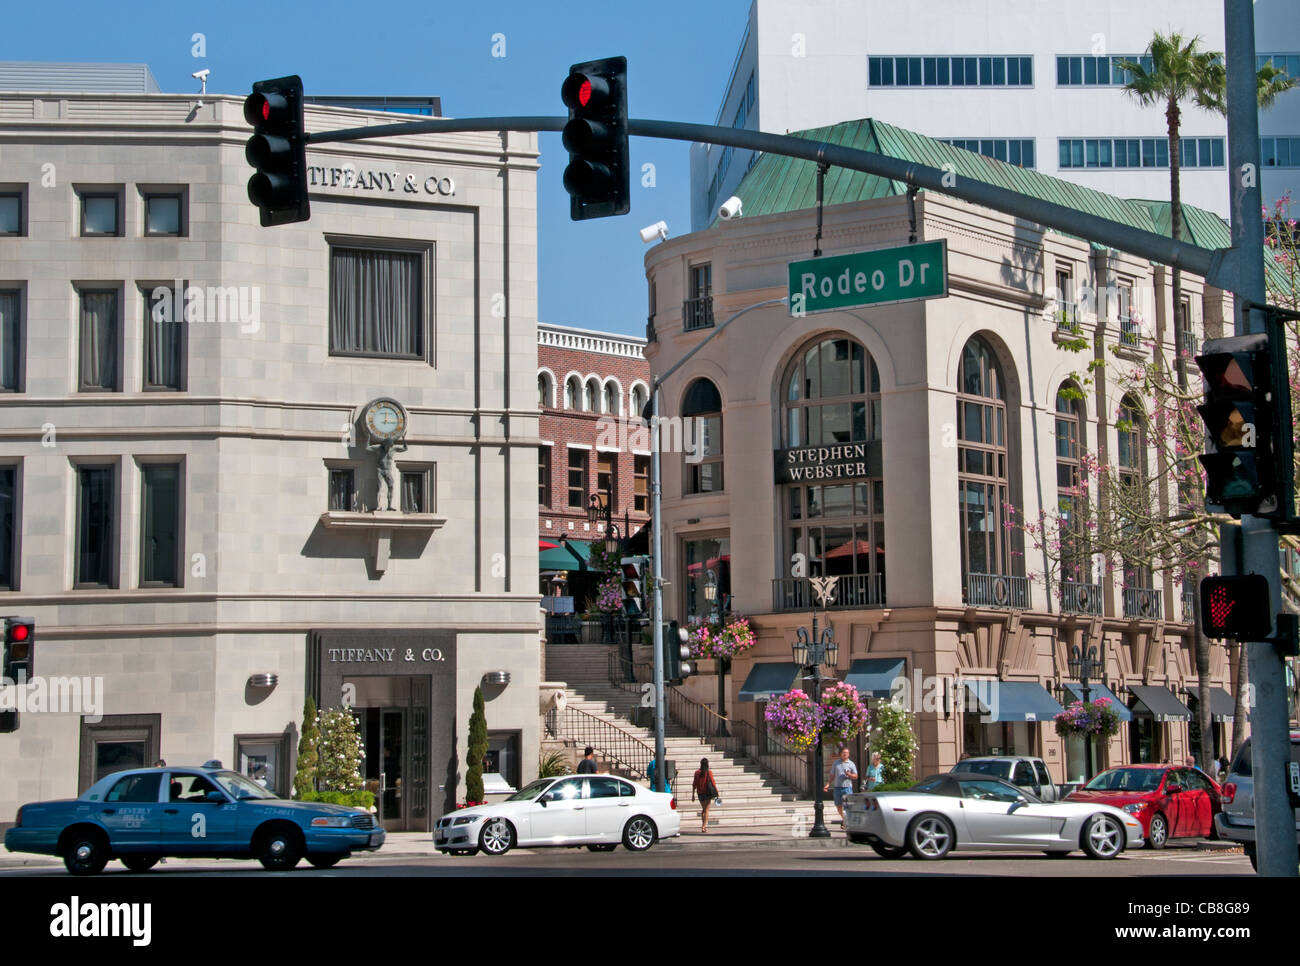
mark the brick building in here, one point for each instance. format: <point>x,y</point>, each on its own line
<point>591,389</point>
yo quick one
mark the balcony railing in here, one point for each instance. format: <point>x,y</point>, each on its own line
<point>1189,342</point>
<point>1129,332</point>
<point>1190,603</point>
<point>998,590</point>
<point>697,313</point>
<point>1077,598</point>
<point>1143,602</point>
<point>1067,317</point>
<point>852,591</point>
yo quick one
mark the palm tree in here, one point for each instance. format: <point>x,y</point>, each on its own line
<point>1181,71</point>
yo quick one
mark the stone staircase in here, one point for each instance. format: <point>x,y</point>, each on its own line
<point>751,797</point>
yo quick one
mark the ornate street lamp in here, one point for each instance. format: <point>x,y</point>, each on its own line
<point>723,664</point>
<point>1085,664</point>
<point>810,653</point>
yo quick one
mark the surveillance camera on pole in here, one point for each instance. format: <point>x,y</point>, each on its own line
<point>658,230</point>
<point>730,208</point>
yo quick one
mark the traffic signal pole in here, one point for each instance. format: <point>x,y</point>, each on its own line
<point>1275,835</point>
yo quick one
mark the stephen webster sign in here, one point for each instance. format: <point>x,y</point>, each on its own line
<point>805,464</point>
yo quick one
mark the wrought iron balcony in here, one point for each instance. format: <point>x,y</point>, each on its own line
<point>1143,602</point>
<point>998,590</point>
<point>852,591</point>
<point>697,313</point>
<point>1129,332</point>
<point>1078,598</point>
<point>1067,317</point>
<point>1189,604</point>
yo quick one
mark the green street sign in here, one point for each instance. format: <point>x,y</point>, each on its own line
<point>902,274</point>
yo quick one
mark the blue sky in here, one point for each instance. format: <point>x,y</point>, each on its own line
<point>591,273</point>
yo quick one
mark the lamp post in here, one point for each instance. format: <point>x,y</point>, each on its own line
<point>810,653</point>
<point>601,511</point>
<point>1084,664</point>
<point>715,617</point>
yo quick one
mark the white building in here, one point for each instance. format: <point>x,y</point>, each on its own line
<point>1027,81</point>
<point>187,500</point>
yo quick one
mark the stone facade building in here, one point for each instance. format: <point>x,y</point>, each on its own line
<point>189,504</point>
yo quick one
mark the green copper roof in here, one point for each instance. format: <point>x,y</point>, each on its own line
<point>778,184</point>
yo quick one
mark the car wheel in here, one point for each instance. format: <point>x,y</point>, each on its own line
<point>930,837</point>
<point>1159,834</point>
<point>639,834</point>
<point>497,837</point>
<point>1103,837</point>
<point>278,849</point>
<point>86,854</point>
<point>605,847</point>
<point>324,861</point>
<point>140,863</point>
<point>889,851</point>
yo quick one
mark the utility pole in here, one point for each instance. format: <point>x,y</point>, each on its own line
<point>1275,836</point>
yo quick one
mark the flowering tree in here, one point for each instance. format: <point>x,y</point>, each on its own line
<point>340,753</point>
<point>891,735</point>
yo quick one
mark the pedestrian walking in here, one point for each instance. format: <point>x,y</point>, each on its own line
<point>588,764</point>
<point>704,786</point>
<point>843,774</point>
<point>875,772</point>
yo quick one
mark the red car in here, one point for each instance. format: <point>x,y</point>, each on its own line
<point>1171,801</point>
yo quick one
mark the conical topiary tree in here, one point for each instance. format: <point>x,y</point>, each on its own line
<point>304,776</point>
<point>339,753</point>
<point>478,746</point>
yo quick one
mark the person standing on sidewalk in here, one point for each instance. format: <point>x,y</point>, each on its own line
<point>843,774</point>
<point>588,764</point>
<point>875,772</point>
<point>704,786</point>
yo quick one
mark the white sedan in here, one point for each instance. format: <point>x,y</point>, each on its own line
<point>970,811</point>
<point>598,811</point>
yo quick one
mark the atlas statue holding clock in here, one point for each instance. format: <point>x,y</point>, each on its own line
<point>385,422</point>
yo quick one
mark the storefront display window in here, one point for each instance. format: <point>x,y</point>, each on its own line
<point>707,562</point>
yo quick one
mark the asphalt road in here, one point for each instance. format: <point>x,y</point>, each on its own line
<point>699,860</point>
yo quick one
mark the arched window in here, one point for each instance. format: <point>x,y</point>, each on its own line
<point>637,404</point>
<point>572,393</point>
<point>545,391</point>
<point>983,458</point>
<point>702,437</point>
<point>1071,498</point>
<point>831,396</point>
<point>611,399</point>
<point>591,396</point>
<point>1133,490</point>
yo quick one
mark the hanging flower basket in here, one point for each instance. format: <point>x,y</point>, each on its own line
<point>609,597</point>
<point>843,713</point>
<point>724,639</point>
<point>1097,718</point>
<point>794,719</point>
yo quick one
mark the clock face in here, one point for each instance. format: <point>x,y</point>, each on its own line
<point>385,419</point>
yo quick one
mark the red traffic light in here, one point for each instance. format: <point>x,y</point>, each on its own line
<point>584,92</point>
<point>20,632</point>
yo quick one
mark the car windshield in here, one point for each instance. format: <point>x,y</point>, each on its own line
<point>240,787</point>
<point>531,791</point>
<point>1127,780</point>
<point>999,769</point>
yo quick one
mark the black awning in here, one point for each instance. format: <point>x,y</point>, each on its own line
<point>874,676</point>
<point>1158,703</point>
<point>1222,706</point>
<point>768,680</point>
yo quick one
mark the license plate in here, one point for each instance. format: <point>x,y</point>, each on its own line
<point>374,838</point>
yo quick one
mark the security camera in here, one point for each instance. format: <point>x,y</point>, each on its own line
<point>658,230</point>
<point>730,208</point>
<point>201,74</point>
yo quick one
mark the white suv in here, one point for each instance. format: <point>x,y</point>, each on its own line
<point>1236,821</point>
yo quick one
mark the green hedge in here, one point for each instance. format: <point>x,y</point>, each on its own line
<point>358,799</point>
<point>893,786</point>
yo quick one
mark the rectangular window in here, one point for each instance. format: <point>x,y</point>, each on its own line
<point>606,478</point>
<point>96,491</point>
<point>164,213</point>
<point>100,341</point>
<point>343,490</point>
<point>101,213</point>
<point>417,489</point>
<point>944,71</point>
<point>11,341</point>
<point>578,479</point>
<point>160,515</point>
<point>377,303</point>
<point>11,213</point>
<point>641,484</point>
<point>164,365</point>
<point>8,528</point>
<point>543,476</point>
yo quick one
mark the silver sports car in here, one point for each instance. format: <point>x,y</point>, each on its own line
<point>969,811</point>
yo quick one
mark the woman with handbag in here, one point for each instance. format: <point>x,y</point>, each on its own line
<point>704,786</point>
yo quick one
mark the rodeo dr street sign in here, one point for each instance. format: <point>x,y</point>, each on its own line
<point>878,277</point>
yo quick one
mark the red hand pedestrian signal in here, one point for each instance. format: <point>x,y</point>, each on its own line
<point>1236,608</point>
<point>1220,606</point>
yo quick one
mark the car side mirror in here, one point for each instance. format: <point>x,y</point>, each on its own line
<point>217,797</point>
<point>544,799</point>
<point>1173,789</point>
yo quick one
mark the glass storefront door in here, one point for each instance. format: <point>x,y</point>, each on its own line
<point>383,735</point>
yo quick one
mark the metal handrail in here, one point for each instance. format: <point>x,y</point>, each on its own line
<point>772,755</point>
<point>616,746</point>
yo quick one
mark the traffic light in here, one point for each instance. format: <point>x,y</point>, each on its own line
<point>677,653</point>
<point>1236,608</point>
<point>634,585</point>
<point>278,151</point>
<point>1241,426</point>
<point>596,138</point>
<point>20,642</point>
